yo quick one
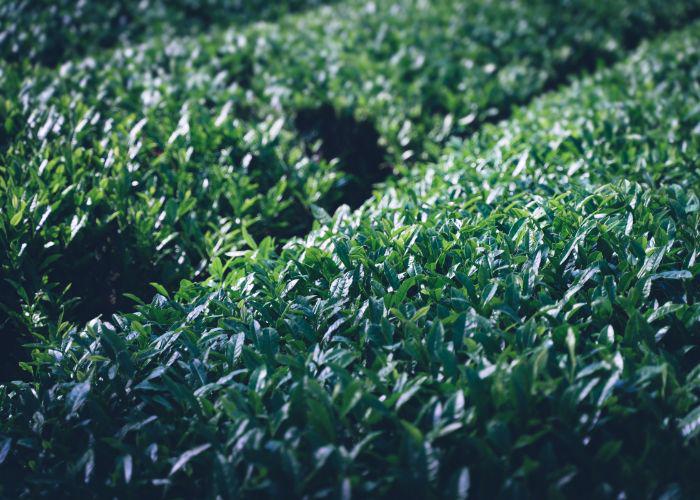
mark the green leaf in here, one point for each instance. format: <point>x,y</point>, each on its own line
<point>690,424</point>
<point>5,446</point>
<point>160,289</point>
<point>673,275</point>
<point>187,456</point>
<point>16,219</point>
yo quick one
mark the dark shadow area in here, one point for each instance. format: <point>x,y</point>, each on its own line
<point>12,351</point>
<point>294,222</point>
<point>330,134</point>
<point>101,265</point>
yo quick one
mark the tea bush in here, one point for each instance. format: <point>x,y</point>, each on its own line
<point>146,162</point>
<point>517,319</point>
<point>52,31</point>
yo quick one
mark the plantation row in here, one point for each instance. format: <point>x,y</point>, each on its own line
<point>515,319</point>
<point>53,31</point>
<point>145,163</point>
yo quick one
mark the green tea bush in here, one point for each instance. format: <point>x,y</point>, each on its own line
<point>115,196</point>
<point>144,163</point>
<point>52,31</point>
<point>517,319</point>
<point>424,71</point>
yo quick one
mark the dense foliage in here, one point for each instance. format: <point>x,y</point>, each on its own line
<point>518,318</point>
<point>146,162</point>
<point>52,31</point>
